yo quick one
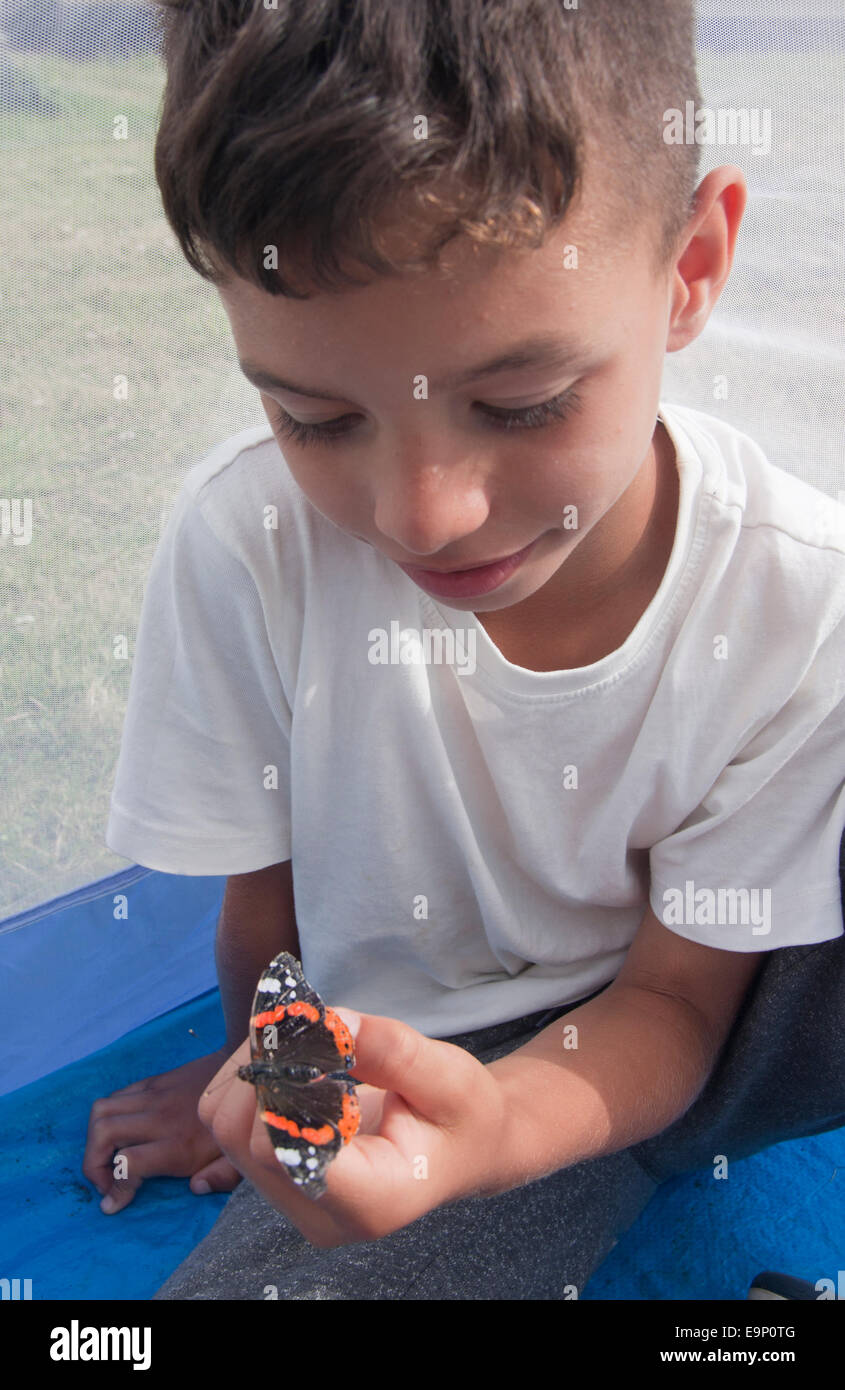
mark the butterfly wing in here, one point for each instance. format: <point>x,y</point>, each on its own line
<point>291,1024</point>
<point>308,1125</point>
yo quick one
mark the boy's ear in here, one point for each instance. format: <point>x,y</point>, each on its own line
<point>707,254</point>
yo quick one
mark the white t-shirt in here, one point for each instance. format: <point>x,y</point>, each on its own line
<point>473,841</point>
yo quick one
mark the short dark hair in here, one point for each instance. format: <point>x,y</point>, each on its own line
<point>297,126</point>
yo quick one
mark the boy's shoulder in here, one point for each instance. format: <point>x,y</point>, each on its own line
<point>763,570</point>
<point>737,473</point>
<point>221,456</point>
<point>237,470</point>
<point>243,491</point>
<point>770,553</point>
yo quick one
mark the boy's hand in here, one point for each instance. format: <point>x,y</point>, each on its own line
<point>154,1123</point>
<point>432,1131</point>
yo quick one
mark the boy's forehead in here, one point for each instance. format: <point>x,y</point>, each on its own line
<point>585,267</point>
<point>575,263</point>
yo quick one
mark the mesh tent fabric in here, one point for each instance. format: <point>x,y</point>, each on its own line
<point>121,373</point>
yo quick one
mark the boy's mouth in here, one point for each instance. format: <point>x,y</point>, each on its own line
<point>472,580</point>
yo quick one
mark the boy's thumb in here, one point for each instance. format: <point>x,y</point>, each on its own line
<point>394,1056</point>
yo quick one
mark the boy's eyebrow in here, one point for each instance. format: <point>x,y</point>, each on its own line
<point>544,350</point>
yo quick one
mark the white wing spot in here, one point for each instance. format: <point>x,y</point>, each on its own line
<point>290,1157</point>
<point>269,985</point>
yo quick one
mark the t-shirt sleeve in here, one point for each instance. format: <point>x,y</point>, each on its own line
<point>756,865</point>
<point>202,784</point>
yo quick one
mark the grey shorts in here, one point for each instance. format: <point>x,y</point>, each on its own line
<point>780,1075</point>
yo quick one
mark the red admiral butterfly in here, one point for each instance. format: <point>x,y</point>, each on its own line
<point>297,1044</point>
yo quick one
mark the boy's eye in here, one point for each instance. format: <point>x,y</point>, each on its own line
<point>530,417</point>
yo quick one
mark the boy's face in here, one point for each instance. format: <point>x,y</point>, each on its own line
<point>431,482</point>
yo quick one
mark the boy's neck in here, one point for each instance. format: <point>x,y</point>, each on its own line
<point>597,597</point>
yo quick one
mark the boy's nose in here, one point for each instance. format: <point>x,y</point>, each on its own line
<point>430,508</point>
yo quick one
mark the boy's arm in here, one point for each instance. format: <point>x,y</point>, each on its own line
<point>645,1049</point>
<point>256,922</point>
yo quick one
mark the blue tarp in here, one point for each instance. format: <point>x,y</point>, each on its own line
<point>82,970</point>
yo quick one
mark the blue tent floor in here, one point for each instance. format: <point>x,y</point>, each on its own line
<point>698,1238</point>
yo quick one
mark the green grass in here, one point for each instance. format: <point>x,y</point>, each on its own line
<point>89,261</point>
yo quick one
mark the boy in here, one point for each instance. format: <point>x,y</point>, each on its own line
<point>530,684</point>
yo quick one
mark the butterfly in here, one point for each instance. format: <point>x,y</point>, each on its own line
<point>298,1047</point>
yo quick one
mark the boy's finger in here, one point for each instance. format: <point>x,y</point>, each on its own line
<point>106,1133</point>
<point>219,1176</point>
<point>119,1195</point>
<point>220,1085</point>
<point>371,1103</point>
<point>135,1164</point>
<point>122,1103</point>
<point>226,1104</point>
